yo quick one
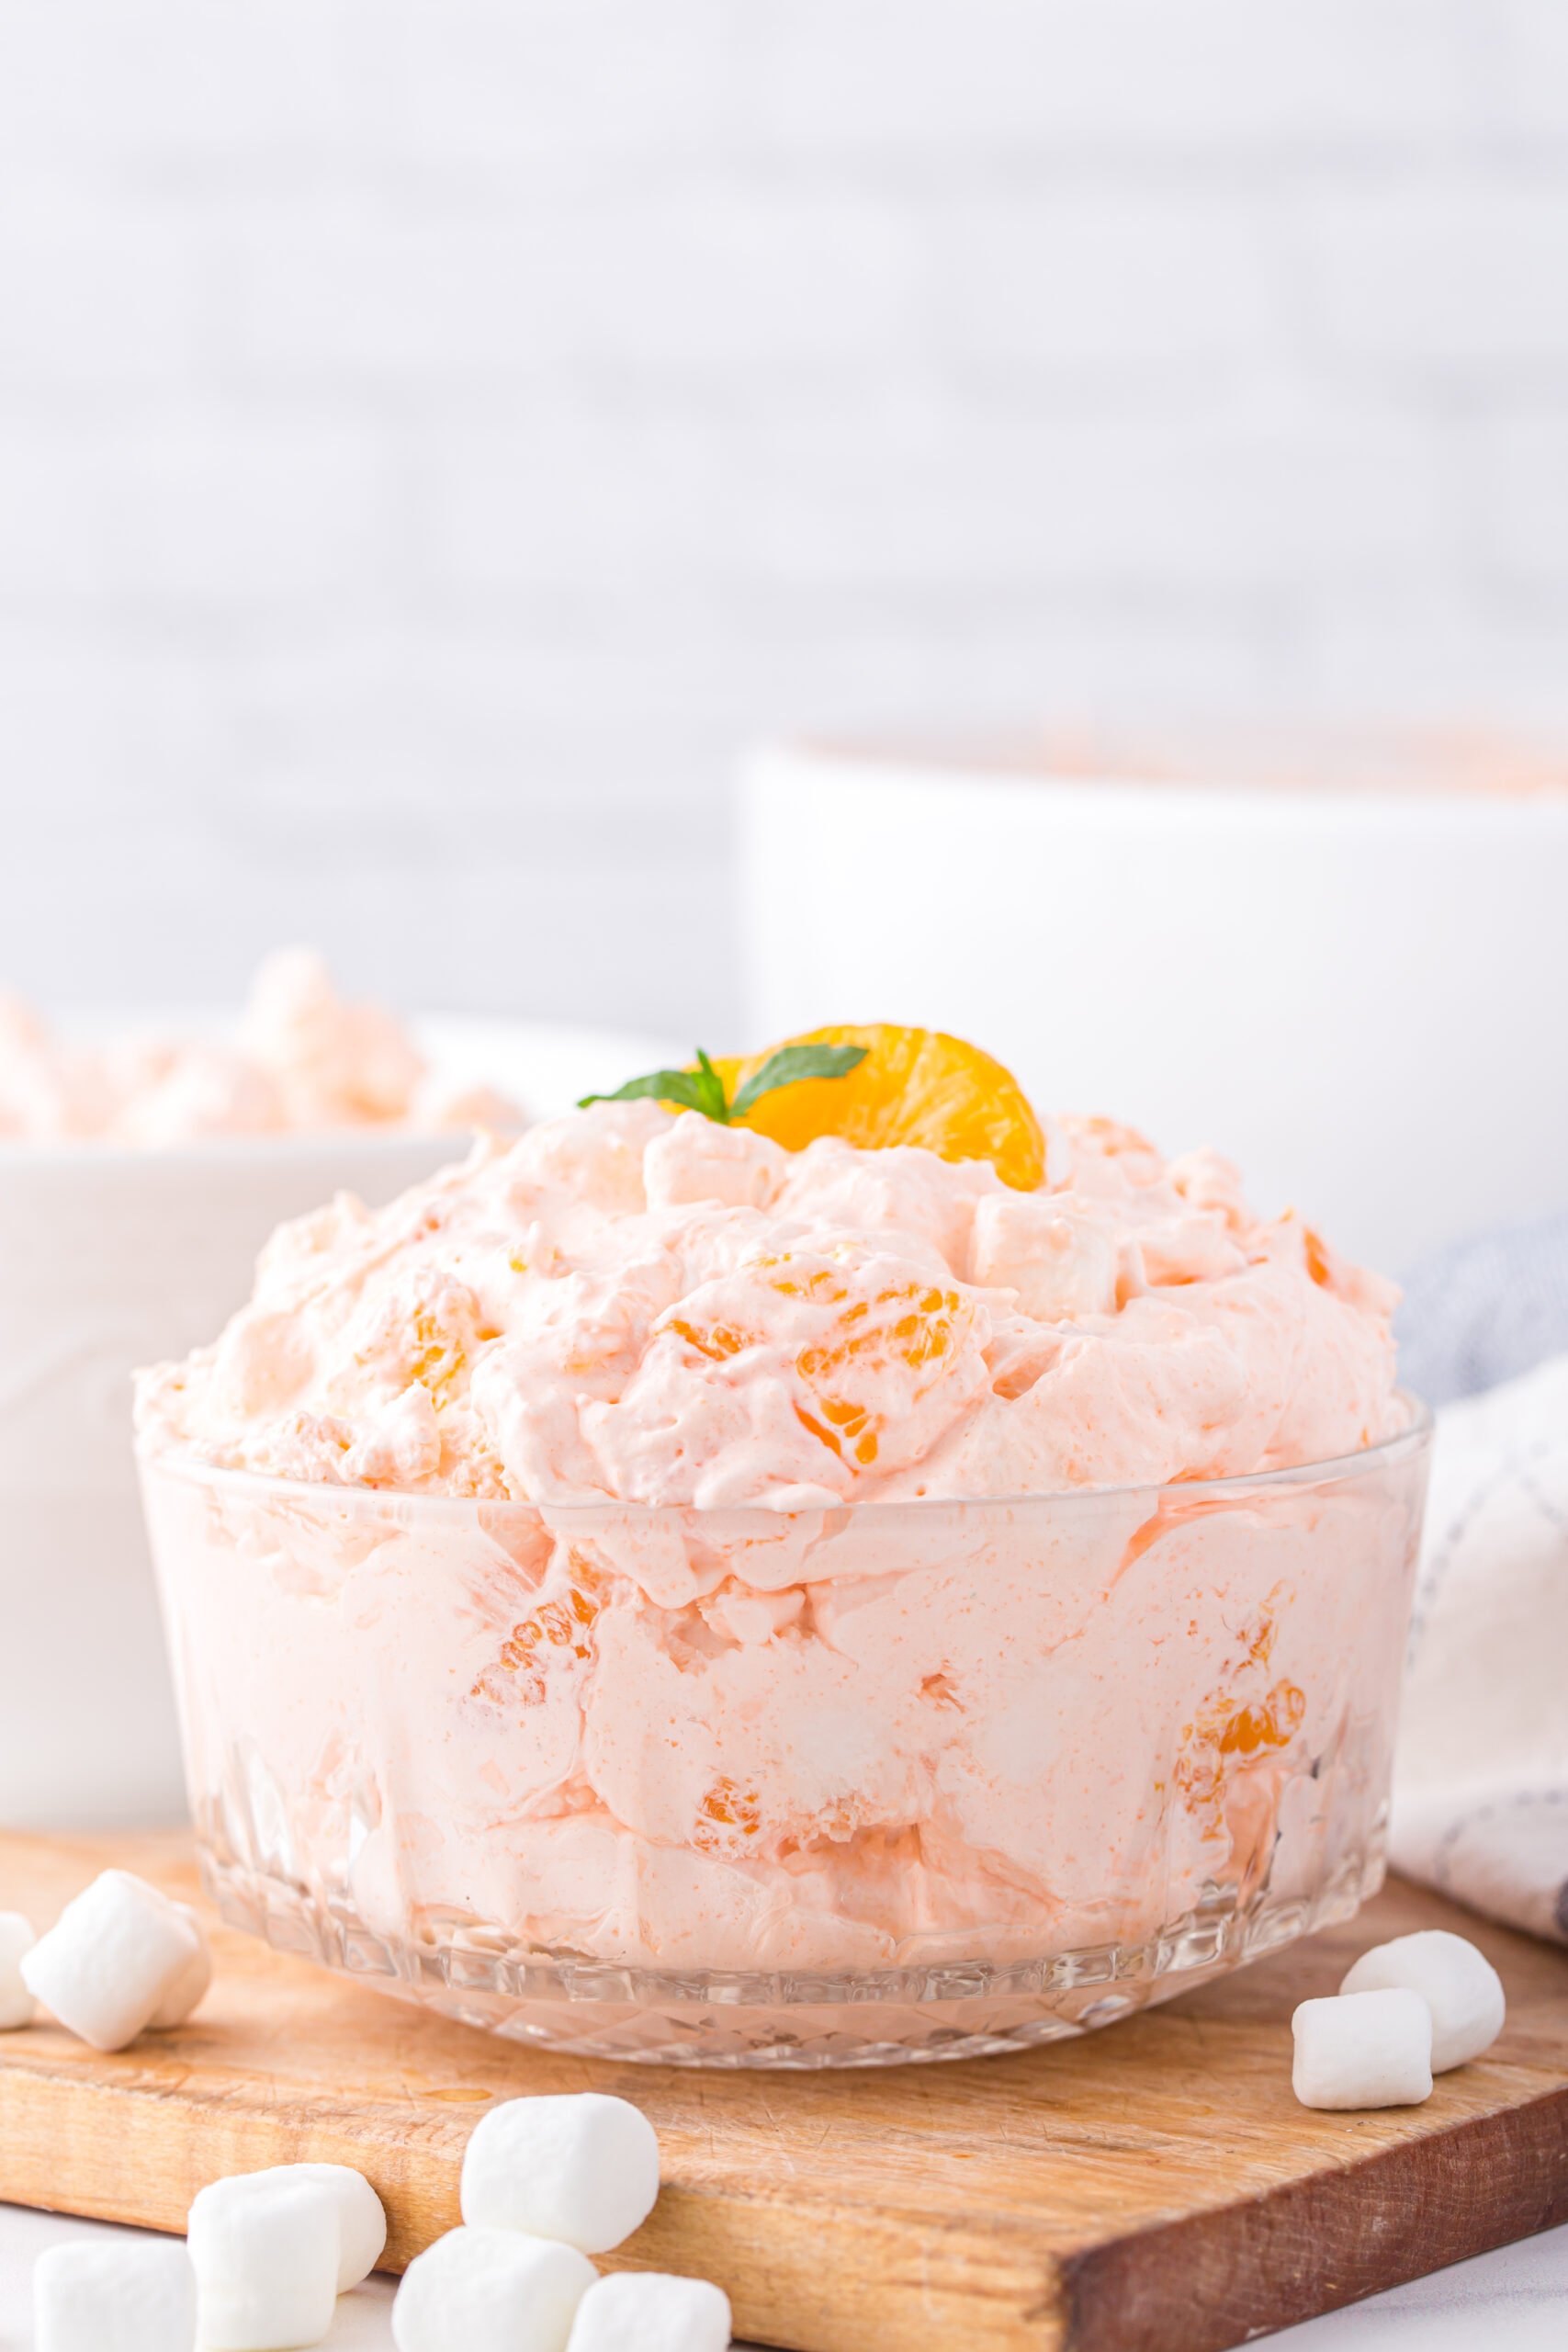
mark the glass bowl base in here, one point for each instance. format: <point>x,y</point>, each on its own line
<point>792,2020</point>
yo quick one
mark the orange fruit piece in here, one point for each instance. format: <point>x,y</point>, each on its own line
<point>915,1086</point>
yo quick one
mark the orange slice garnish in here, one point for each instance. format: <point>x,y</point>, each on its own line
<point>915,1086</point>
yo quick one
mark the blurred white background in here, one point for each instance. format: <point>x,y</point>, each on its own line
<point>435,435</point>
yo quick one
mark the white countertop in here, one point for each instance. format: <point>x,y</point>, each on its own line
<point>1514,2301</point>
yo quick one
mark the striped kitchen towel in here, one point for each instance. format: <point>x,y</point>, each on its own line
<point>1481,1770</point>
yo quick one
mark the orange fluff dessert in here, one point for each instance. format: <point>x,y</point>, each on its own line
<point>304,1059</point>
<point>806,1518</point>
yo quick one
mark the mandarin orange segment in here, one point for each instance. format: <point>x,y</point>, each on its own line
<point>915,1086</point>
<point>867,1353</point>
<point>727,1816</point>
<point>563,1623</point>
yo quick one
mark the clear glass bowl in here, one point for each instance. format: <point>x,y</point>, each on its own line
<point>831,1787</point>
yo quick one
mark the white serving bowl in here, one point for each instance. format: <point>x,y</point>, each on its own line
<point>110,1259</point>
<point>1353,987</point>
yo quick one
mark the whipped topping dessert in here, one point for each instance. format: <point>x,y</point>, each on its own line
<point>712,1556</point>
<point>304,1060</point>
<point>658,1309</point>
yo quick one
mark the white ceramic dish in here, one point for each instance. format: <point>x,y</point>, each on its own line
<point>110,1259</point>
<point>1346,962</point>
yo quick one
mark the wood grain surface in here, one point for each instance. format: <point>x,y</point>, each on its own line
<point>1150,2189</point>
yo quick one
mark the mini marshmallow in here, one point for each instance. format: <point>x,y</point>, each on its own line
<point>648,2311</point>
<point>1374,2050</point>
<point>361,2216</point>
<point>582,2167</point>
<point>16,2002</point>
<point>126,2295</point>
<point>267,2249</point>
<point>111,1959</point>
<point>362,2219</point>
<point>489,2290</point>
<point>1458,1984</point>
<point>191,1987</point>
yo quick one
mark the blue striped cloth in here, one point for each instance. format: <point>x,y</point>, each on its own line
<point>1484,1310</point>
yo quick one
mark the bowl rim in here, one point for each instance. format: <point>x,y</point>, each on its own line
<point>1413,1439</point>
<point>1373,777</point>
<point>272,1147</point>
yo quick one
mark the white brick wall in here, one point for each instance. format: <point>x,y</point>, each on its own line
<point>435,435</point>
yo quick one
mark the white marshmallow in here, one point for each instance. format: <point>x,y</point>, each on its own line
<point>489,2290</point>
<point>362,2219</point>
<point>647,2311</point>
<point>128,2295</point>
<point>16,2001</point>
<point>582,2167</point>
<point>111,1959</point>
<point>189,1989</point>
<point>361,2216</point>
<point>1458,1984</point>
<point>266,2247</point>
<point>1374,2050</point>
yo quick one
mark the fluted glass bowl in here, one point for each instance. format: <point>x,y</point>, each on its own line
<point>824,1787</point>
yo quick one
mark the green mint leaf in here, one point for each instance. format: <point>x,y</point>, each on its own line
<point>702,1089</point>
<point>789,1065</point>
<point>711,1087</point>
<point>684,1086</point>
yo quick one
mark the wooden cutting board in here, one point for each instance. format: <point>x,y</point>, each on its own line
<point>1150,2189</point>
